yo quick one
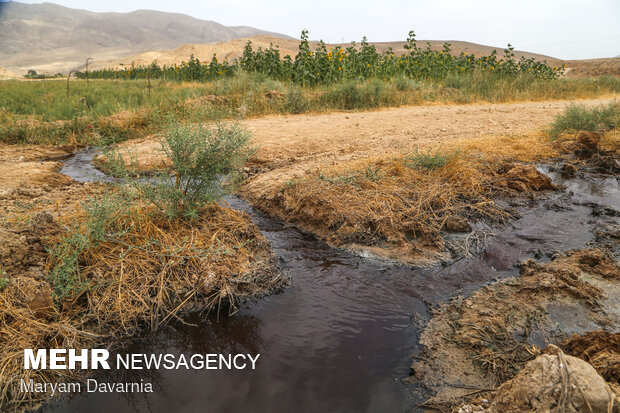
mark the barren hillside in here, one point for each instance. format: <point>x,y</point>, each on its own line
<point>51,38</point>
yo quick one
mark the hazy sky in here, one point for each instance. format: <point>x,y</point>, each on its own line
<point>568,29</point>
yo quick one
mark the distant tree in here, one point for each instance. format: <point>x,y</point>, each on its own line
<point>32,72</point>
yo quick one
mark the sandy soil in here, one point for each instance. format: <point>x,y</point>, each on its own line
<point>30,181</point>
<point>290,144</point>
<point>7,74</point>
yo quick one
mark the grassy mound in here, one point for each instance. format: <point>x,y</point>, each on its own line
<point>145,270</point>
<point>398,205</point>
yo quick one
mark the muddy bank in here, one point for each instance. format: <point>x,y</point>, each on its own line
<point>481,341</point>
<point>394,209</point>
<point>82,266</point>
<point>129,284</point>
<point>406,206</point>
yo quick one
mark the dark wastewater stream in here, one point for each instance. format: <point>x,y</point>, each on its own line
<point>340,338</point>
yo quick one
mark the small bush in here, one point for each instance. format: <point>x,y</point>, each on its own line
<point>204,162</point>
<point>102,215</point>
<point>405,84</point>
<point>429,160</point>
<point>357,95</point>
<point>577,118</point>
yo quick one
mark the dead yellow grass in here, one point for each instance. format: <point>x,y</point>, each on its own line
<point>531,147</point>
<point>399,209</point>
<point>139,280</point>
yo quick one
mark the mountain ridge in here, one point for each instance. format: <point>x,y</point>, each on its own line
<point>49,37</point>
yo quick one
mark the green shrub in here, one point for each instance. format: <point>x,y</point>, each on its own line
<point>577,118</point>
<point>296,102</point>
<point>405,84</point>
<point>429,160</point>
<point>357,95</point>
<point>205,161</point>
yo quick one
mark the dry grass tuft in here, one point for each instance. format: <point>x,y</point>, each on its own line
<point>151,271</point>
<point>394,202</point>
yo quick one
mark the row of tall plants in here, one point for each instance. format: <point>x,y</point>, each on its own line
<point>325,65</point>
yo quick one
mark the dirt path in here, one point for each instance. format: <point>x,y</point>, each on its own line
<point>282,140</point>
<point>312,140</point>
<point>385,130</point>
<point>290,145</point>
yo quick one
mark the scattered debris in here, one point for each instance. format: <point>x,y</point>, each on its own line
<point>482,341</point>
<point>552,382</point>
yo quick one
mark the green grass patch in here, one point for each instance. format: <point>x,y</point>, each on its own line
<point>430,160</point>
<point>577,118</point>
<point>107,111</point>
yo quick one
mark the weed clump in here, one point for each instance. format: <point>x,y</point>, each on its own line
<point>201,166</point>
<point>430,160</point>
<point>100,223</point>
<point>577,118</point>
<point>296,102</point>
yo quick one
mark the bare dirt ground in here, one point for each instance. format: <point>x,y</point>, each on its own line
<point>32,169</point>
<point>30,180</point>
<point>288,145</point>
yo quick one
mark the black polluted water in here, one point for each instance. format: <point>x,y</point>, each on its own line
<point>342,336</point>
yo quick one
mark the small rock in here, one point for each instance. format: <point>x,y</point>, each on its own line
<point>522,178</point>
<point>541,382</point>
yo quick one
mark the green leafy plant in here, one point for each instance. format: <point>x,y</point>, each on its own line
<point>296,102</point>
<point>577,118</point>
<point>100,224</point>
<point>430,160</point>
<point>323,65</point>
<point>202,165</point>
<point>4,281</point>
